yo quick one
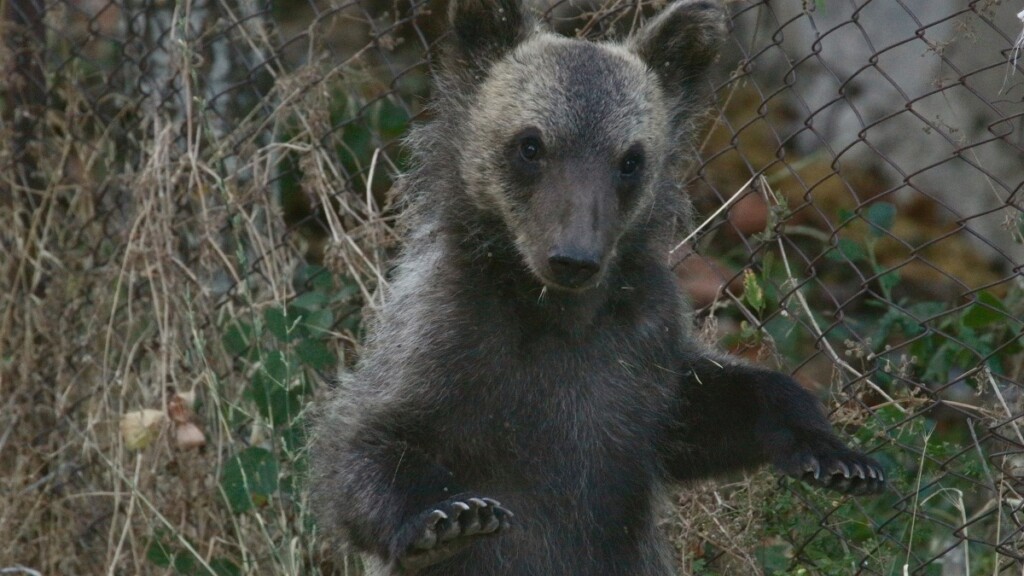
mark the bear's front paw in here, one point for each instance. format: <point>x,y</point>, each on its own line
<point>835,467</point>
<point>447,528</point>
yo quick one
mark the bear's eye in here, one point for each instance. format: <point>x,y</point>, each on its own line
<point>530,148</point>
<point>631,163</point>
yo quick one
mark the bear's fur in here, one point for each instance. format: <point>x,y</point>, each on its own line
<point>530,385</point>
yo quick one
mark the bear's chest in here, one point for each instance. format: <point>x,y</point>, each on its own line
<point>543,408</point>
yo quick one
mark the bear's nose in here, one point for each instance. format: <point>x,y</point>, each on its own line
<point>571,270</point>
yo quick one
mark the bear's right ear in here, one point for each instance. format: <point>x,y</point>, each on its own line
<point>484,31</point>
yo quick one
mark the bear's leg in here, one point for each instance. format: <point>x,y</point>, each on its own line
<point>732,416</point>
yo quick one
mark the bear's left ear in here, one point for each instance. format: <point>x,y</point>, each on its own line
<point>681,42</point>
<point>484,31</point>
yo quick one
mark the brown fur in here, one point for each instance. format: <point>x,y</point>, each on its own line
<point>534,348</point>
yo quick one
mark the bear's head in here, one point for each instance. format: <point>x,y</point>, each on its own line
<point>572,144</point>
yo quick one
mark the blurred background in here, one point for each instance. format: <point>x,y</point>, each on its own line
<point>195,215</point>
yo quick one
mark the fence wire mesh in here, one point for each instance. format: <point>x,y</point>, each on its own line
<point>195,210</point>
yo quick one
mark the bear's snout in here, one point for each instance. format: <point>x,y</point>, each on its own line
<point>573,270</point>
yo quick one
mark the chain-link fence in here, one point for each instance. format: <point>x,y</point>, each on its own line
<point>195,213</point>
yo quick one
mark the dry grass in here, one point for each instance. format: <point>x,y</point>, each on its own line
<point>153,228</point>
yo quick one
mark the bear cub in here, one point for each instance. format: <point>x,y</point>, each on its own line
<point>530,386</point>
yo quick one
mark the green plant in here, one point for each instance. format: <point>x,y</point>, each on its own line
<point>907,359</point>
<point>285,350</point>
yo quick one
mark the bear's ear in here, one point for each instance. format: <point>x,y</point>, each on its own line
<point>483,31</point>
<point>681,42</point>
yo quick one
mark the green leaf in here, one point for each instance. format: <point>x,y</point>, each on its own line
<point>357,146</point>
<point>351,319</point>
<point>159,553</point>
<point>749,336</point>
<point>315,354</point>
<point>347,291</point>
<point>279,405</point>
<point>941,362</point>
<point>287,407</point>
<point>1012,347</point>
<point>314,278</point>
<point>276,366</point>
<point>987,309</point>
<point>393,120</point>
<point>752,292</point>
<point>237,338</point>
<point>225,567</point>
<point>310,301</point>
<point>887,416</point>
<point>249,479</point>
<point>318,323</point>
<point>293,439</point>
<point>262,389</point>
<point>888,281</point>
<point>271,389</point>
<point>277,323</point>
<point>284,324</point>
<point>774,559</point>
<point>163,553</point>
<point>925,311</point>
<point>185,563</point>
<point>881,215</point>
<point>884,325</point>
<point>848,250</point>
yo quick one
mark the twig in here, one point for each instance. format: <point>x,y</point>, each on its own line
<point>1006,407</point>
<point>820,335</point>
<point>710,219</point>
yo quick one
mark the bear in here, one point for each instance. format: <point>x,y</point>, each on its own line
<point>530,387</point>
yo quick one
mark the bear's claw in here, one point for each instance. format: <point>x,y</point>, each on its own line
<point>450,527</point>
